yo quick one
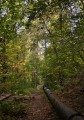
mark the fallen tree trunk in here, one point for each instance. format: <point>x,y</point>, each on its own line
<point>4,97</point>
<point>64,112</point>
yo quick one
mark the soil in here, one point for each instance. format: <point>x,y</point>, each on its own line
<point>37,108</point>
<point>73,97</point>
<point>40,108</point>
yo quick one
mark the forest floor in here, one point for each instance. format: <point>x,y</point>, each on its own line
<point>39,108</point>
<point>73,96</point>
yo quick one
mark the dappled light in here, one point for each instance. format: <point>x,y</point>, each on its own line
<point>41,44</point>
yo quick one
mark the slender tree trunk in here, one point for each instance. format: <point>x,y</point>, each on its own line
<point>4,60</point>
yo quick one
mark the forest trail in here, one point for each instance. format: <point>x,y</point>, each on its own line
<point>40,108</point>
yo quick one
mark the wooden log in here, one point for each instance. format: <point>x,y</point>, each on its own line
<point>64,112</point>
<point>4,97</point>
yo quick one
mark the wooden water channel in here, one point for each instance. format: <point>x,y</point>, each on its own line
<point>62,110</point>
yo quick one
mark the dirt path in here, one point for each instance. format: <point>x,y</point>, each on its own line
<point>37,108</point>
<point>40,109</point>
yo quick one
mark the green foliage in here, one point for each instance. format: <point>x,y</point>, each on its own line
<point>11,110</point>
<point>17,87</point>
<point>51,49</point>
<point>64,55</point>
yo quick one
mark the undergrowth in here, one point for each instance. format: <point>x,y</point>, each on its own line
<point>22,87</point>
<point>11,111</point>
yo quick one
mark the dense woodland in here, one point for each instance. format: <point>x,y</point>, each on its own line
<point>42,43</point>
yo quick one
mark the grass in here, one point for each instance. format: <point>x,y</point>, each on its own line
<point>11,110</point>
